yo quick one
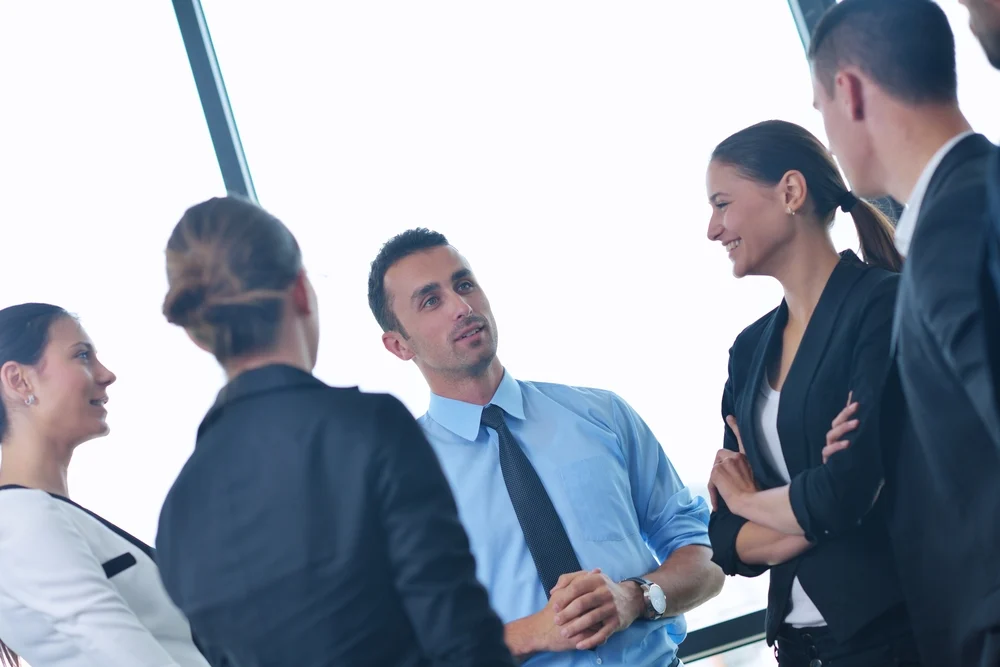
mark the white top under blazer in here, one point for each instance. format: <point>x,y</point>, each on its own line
<point>77,591</point>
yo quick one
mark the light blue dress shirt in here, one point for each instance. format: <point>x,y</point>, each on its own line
<point>622,503</point>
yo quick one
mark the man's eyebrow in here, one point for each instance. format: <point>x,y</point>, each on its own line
<point>421,292</point>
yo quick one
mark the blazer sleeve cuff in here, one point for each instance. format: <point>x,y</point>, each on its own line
<point>723,527</point>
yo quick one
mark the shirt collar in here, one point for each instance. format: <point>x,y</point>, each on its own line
<point>908,219</point>
<point>463,419</point>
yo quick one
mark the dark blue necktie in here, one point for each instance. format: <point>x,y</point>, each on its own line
<point>543,530</point>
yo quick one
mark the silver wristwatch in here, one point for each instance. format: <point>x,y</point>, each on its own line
<point>652,595</point>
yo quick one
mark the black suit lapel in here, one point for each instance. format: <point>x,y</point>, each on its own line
<point>812,349</point>
<point>746,418</point>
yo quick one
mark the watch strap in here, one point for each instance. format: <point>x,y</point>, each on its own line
<point>640,581</point>
<point>644,584</point>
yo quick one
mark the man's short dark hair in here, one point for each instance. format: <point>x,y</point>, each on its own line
<point>905,46</point>
<point>398,247</point>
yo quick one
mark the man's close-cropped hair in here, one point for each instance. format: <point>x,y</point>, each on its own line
<point>398,247</point>
<point>905,46</point>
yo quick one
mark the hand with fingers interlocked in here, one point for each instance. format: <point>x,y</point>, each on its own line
<point>590,607</point>
<point>731,478</point>
<point>545,634</point>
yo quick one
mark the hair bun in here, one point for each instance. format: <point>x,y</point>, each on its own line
<point>184,304</point>
<point>230,266</point>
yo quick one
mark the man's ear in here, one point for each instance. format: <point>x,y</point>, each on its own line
<point>850,85</point>
<point>301,301</point>
<point>397,345</point>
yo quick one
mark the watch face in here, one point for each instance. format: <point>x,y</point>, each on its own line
<point>657,599</point>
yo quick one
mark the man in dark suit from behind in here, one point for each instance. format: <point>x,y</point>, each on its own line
<point>984,19</point>
<point>885,81</point>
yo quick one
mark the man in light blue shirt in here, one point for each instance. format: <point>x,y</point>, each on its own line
<point>590,546</point>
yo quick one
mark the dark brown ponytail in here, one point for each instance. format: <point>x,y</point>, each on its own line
<point>877,235</point>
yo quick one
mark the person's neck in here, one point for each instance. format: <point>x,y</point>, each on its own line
<point>475,389</point>
<point>911,141</point>
<point>31,462</point>
<point>294,355</point>
<point>804,277</point>
<point>238,367</point>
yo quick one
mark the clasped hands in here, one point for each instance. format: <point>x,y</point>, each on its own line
<point>585,609</point>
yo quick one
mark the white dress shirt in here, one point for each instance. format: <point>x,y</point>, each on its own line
<point>908,219</point>
<point>76,591</point>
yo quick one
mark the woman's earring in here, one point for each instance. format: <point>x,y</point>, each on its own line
<point>30,400</point>
<point>789,211</point>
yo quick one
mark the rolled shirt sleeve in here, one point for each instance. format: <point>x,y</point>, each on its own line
<point>670,516</point>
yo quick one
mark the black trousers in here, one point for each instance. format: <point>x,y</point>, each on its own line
<point>886,642</point>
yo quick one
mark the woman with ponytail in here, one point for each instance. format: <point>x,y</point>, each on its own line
<point>782,499</point>
<point>75,590</point>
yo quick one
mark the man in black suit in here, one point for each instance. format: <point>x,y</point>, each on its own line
<point>884,79</point>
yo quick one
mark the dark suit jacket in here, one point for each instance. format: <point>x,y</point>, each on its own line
<point>993,269</point>
<point>849,573</point>
<point>943,468</point>
<point>993,188</point>
<point>313,526</point>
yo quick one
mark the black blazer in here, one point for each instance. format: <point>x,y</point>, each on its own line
<point>943,468</point>
<point>313,526</point>
<point>993,270</point>
<point>993,194</point>
<point>849,573</point>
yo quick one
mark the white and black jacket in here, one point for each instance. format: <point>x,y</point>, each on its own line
<point>77,591</point>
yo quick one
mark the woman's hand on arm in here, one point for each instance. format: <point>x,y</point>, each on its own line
<point>732,479</point>
<point>755,544</point>
<point>842,424</point>
<point>732,471</point>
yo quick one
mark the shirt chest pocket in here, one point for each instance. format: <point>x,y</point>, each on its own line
<point>599,492</point>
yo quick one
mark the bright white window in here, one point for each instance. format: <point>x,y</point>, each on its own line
<point>103,145</point>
